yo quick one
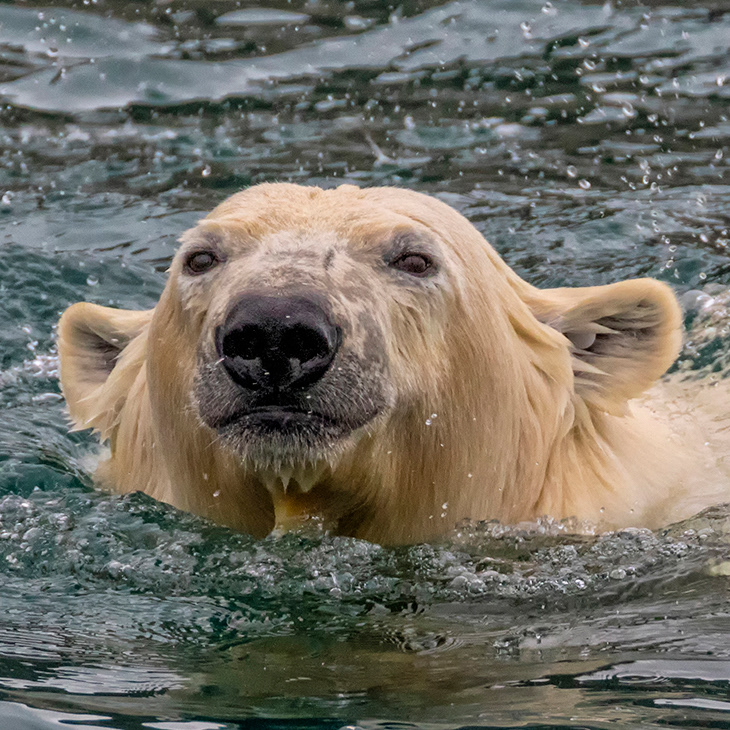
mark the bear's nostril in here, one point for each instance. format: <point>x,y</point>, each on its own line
<point>303,343</point>
<point>248,342</point>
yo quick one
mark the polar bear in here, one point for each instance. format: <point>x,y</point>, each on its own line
<point>363,358</point>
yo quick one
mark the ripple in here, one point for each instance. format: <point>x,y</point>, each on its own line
<point>587,141</point>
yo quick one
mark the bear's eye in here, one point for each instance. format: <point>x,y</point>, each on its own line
<point>415,264</point>
<point>198,262</point>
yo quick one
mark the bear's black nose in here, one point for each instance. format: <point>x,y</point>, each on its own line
<point>277,342</point>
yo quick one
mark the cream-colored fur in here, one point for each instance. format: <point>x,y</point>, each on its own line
<point>503,401</point>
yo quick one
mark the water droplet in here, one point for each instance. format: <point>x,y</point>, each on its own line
<point>584,184</point>
<point>572,171</point>
<point>206,171</point>
<point>92,280</point>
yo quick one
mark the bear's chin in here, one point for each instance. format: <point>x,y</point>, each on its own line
<point>271,437</point>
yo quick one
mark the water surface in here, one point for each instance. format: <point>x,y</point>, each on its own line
<point>588,141</point>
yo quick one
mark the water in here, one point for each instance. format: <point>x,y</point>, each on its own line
<point>587,140</point>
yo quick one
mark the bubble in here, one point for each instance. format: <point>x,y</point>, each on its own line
<point>92,280</point>
<point>572,171</point>
<point>628,109</point>
<point>584,184</point>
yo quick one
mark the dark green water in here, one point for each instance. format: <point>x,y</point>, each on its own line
<point>588,141</point>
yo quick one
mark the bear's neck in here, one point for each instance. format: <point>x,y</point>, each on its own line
<point>615,471</point>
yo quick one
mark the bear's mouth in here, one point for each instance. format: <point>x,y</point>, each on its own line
<point>282,434</point>
<point>276,419</point>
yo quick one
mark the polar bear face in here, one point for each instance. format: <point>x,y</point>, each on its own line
<point>312,318</point>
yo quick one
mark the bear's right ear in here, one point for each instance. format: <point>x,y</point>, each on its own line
<point>93,346</point>
<point>622,337</point>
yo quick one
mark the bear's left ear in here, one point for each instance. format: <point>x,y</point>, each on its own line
<point>101,352</point>
<point>622,336</point>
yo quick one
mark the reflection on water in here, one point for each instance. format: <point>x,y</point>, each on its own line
<point>587,140</point>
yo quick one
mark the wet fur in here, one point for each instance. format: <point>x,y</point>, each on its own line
<point>533,390</point>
